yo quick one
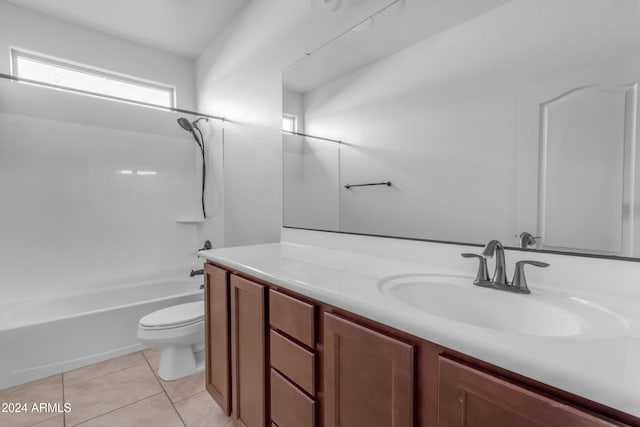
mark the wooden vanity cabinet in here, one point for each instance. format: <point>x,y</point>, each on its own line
<point>278,360</point>
<point>235,345</point>
<point>293,359</point>
<point>217,343</point>
<point>368,376</point>
<point>469,397</point>
<point>293,317</point>
<point>248,352</point>
<point>290,407</point>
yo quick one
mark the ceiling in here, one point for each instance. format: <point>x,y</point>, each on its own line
<point>393,29</point>
<point>183,27</point>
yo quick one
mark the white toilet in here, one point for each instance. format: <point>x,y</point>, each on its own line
<point>178,332</point>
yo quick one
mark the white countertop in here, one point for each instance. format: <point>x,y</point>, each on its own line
<point>344,271</point>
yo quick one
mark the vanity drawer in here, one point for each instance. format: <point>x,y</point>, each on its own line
<point>290,407</point>
<point>293,317</point>
<point>293,361</point>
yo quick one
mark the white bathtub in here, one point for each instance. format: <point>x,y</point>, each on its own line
<point>44,337</point>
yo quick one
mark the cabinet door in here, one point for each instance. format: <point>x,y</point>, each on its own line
<point>248,336</point>
<point>216,297</point>
<point>368,377</point>
<point>472,398</point>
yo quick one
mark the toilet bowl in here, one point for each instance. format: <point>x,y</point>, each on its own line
<point>178,332</point>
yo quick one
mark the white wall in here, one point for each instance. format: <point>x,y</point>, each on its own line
<point>24,29</point>
<point>69,220</point>
<point>311,173</point>
<point>449,150</point>
<point>239,76</point>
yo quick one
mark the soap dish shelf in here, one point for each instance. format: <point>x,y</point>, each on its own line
<point>190,220</point>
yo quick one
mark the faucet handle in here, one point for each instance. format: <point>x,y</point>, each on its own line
<point>207,246</point>
<point>482,275</point>
<point>519,279</point>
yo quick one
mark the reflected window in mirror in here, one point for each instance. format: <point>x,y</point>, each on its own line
<point>289,123</point>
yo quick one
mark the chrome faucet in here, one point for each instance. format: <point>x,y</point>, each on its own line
<point>494,247</point>
<point>194,273</point>
<point>206,247</point>
<point>499,280</point>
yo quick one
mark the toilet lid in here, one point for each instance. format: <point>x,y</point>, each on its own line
<point>182,314</point>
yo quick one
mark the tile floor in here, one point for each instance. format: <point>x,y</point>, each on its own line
<point>121,392</point>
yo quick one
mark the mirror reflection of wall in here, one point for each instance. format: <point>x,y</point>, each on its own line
<point>310,173</point>
<point>510,117</point>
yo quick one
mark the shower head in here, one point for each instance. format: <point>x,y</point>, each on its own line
<point>185,124</point>
<point>190,126</point>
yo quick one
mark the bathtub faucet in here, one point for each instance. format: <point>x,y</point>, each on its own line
<point>196,273</point>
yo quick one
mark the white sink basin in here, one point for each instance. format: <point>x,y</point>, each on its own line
<point>540,313</point>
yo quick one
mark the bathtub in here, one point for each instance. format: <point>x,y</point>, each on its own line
<point>45,337</point>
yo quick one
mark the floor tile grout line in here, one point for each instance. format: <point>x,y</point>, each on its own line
<point>162,384</point>
<point>182,399</point>
<point>42,421</point>
<point>62,384</point>
<point>161,381</point>
<point>170,398</point>
<point>144,356</point>
<point>143,361</point>
<point>52,414</point>
<point>64,414</point>
<point>108,373</point>
<point>117,409</point>
<point>153,372</point>
<point>175,409</point>
<point>165,391</point>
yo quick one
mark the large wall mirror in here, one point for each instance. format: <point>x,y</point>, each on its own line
<point>474,120</point>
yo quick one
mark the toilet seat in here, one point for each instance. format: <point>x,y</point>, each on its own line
<point>178,316</point>
<point>178,332</point>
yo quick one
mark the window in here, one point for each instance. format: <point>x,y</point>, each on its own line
<point>90,80</point>
<point>289,123</point>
